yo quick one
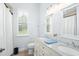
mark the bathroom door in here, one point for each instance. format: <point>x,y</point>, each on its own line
<point>6,43</point>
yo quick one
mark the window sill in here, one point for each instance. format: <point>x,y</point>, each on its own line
<point>23,35</point>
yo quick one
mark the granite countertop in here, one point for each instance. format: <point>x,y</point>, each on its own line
<point>54,46</point>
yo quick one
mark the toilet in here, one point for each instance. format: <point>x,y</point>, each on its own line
<point>30,48</point>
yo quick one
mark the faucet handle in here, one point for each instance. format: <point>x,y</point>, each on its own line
<point>55,35</point>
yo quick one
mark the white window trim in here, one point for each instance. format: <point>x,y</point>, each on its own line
<point>18,30</point>
<point>23,35</point>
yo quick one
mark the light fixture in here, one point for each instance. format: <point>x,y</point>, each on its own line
<point>56,7</point>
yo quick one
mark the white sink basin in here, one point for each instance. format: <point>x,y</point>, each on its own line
<point>68,51</point>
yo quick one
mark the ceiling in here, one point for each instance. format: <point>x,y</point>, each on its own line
<point>23,5</point>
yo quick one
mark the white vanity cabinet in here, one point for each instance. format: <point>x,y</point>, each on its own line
<point>42,50</point>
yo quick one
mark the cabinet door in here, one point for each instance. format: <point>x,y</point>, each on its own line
<point>36,50</point>
<point>51,52</point>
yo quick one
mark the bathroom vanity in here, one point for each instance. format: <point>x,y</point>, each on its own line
<point>55,49</point>
<point>41,49</point>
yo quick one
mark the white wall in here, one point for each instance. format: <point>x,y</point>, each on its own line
<point>33,17</point>
<point>43,10</point>
<point>56,20</point>
<point>77,20</point>
<point>14,22</point>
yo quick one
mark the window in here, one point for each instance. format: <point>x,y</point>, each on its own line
<point>70,21</point>
<point>48,25</point>
<point>22,24</point>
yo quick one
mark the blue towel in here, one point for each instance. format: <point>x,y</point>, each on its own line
<point>50,41</point>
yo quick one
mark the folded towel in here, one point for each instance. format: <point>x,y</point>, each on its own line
<point>50,41</point>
